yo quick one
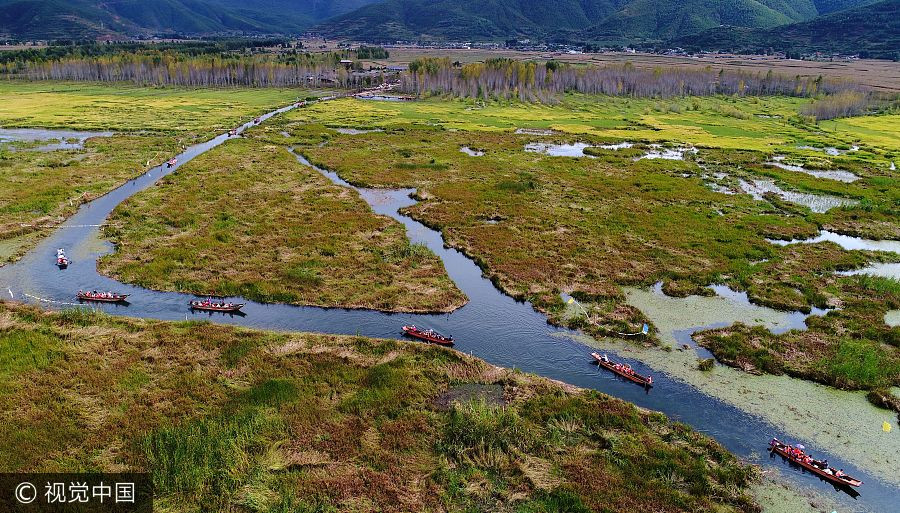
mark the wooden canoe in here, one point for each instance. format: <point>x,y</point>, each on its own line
<point>781,449</point>
<point>115,298</point>
<point>427,335</point>
<point>623,370</point>
<point>211,307</point>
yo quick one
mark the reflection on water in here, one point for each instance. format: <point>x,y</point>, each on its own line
<point>559,150</point>
<point>816,203</point>
<point>573,149</point>
<point>882,270</point>
<point>658,152</point>
<point>829,150</point>
<point>845,241</point>
<point>534,131</point>
<point>356,131</point>
<point>470,152</point>
<point>892,318</point>
<point>837,174</point>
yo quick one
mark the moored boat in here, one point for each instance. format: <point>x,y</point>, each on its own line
<point>172,161</point>
<point>102,297</point>
<point>428,335</point>
<point>623,369</point>
<point>796,456</point>
<point>215,306</point>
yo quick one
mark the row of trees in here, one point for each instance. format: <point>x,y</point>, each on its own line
<point>173,68</point>
<point>846,104</point>
<point>506,78</point>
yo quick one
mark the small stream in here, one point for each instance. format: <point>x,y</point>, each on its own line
<point>492,326</point>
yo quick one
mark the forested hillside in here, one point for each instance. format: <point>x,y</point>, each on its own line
<point>605,21</point>
<point>871,31</point>
<point>700,24</point>
<point>48,19</point>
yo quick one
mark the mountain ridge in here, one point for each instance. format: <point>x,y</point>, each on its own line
<point>60,19</point>
<point>846,31</point>
<point>608,21</point>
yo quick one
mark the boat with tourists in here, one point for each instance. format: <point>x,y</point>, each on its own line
<point>623,369</point>
<point>172,161</point>
<point>428,335</point>
<point>101,297</point>
<point>62,261</point>
<point>797,456</point>
<point>208,305</point>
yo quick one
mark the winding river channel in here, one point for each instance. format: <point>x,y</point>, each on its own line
<point>492,326</point>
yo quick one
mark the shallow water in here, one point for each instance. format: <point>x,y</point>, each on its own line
<point>816,203</point>
<point>470,152</point>
<point>492,326</point>
<point>573,149</point>
<point>559,150</point>
<point>836,174</point>
<point>801,408</point>
<point>618,146</point>
<point>658,152</point>
<point>830,150</point>
<point>356,131</point>
<point>883,270</point>
<point>67,139</point>
<point>845,241</point>
<point>892,318</point>
<point>534,131</point>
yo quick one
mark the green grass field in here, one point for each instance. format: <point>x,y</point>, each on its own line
<point>128,108</point>
<point>227,419</point>
<point>763,124</point>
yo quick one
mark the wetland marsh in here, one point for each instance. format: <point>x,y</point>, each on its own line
<point>601,229</point>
